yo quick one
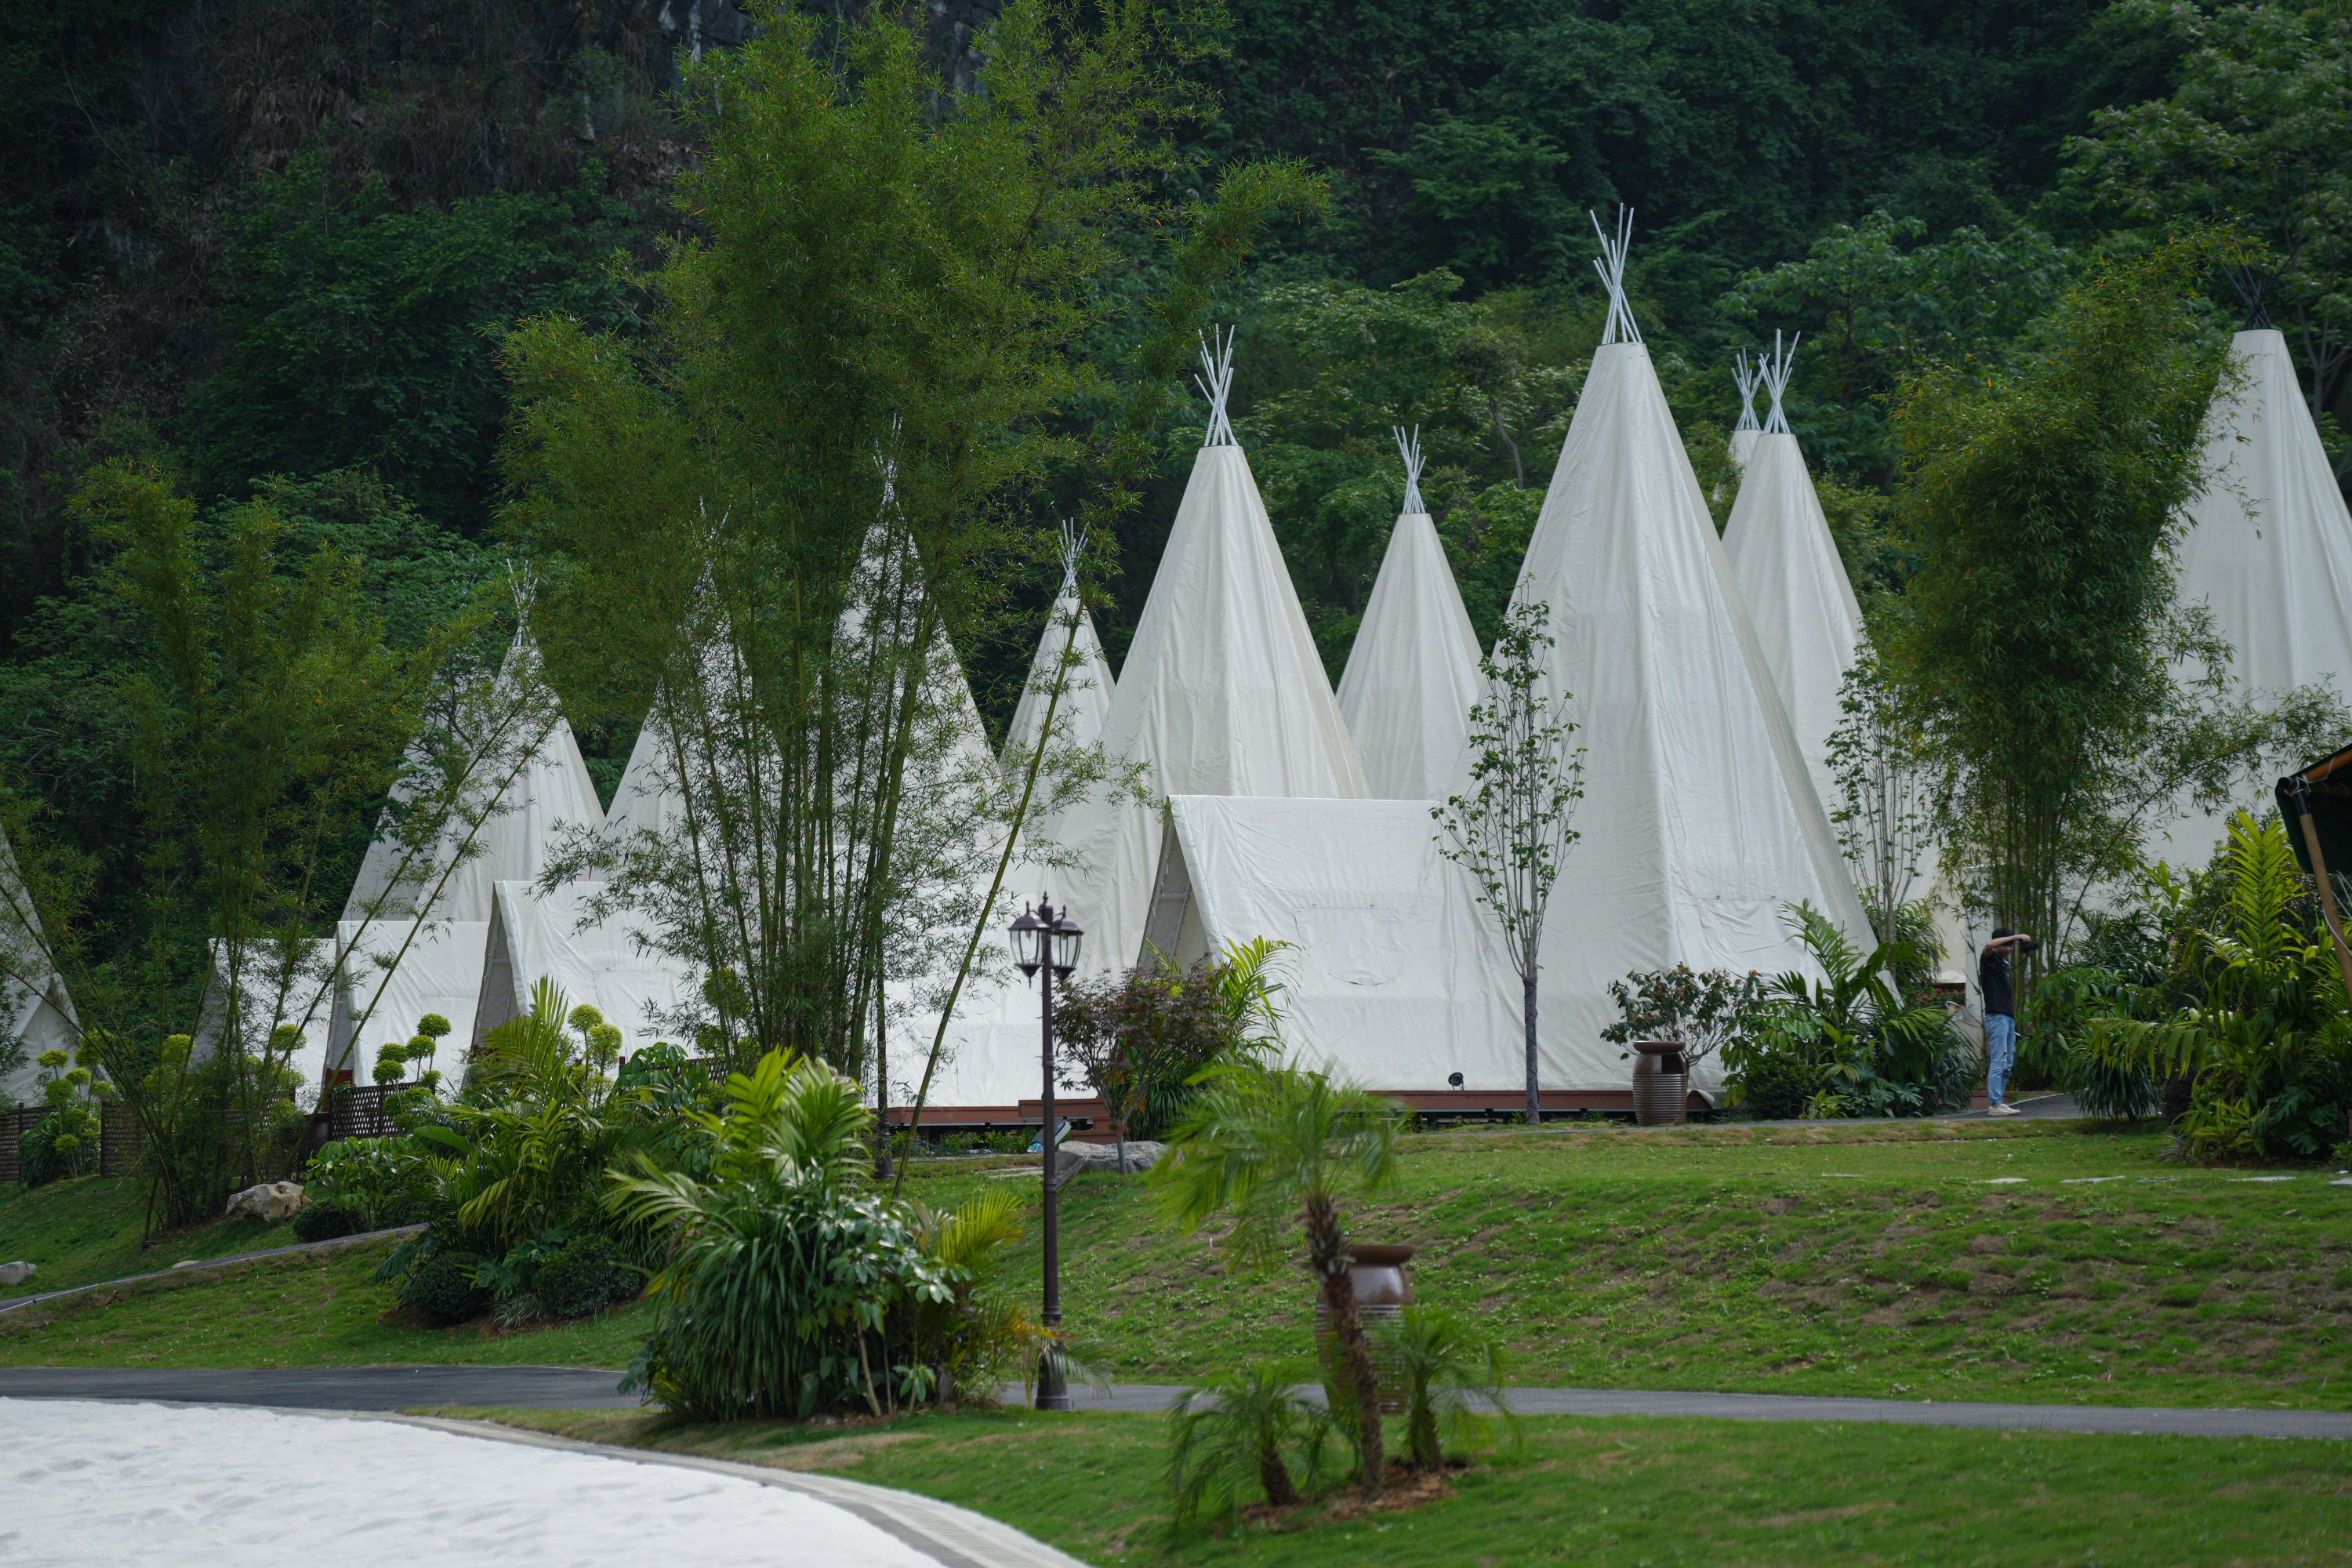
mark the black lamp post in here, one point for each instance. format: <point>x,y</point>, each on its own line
<point>1046,940</point>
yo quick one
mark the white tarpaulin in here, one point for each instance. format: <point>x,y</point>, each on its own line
<point>1222,693</point>
<point>2269,552</point>
<point>548,795</point>
<point>1413,673</point>
<point>397,971</point>
<point>34,1009</point>
<point>1797,595</point>
<point>1698,822</point>
<point>1396,979</point>
<point>269,996</point>
<point>536,936</point>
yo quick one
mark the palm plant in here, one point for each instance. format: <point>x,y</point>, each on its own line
<point>1451,1380</point>
<point>1236,1429</point>
<point>787,1286</point>
<point>2268,1042</point>
<point>1267,1145</point>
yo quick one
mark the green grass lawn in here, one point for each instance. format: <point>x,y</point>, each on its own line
<point>2066,1263</point>
<point>314,1310</point>
<point>1944,1261</point>
<point>83,1231</point>
<point>1606,1492</point>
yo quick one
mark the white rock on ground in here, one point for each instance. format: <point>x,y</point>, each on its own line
<point>89,1481</point>
<point>16,1273</point>
<point>269,1201</point>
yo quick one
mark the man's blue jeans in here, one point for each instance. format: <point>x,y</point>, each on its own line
<point>2000,1053</point>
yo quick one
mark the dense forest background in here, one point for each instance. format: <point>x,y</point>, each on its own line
<point>274,246</point>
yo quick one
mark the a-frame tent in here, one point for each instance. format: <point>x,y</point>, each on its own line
<point>1224,691</point>
<point>1699,825</point>
<point>1793,582</point>
<point>2269,552</point>
<point>1413,673</point>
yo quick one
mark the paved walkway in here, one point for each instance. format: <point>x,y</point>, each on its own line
<point>168,1485</point>
<point>387,1388</point>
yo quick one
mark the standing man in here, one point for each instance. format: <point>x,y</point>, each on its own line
<point>2000,1013</point>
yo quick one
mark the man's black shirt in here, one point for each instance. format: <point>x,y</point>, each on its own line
<point>1992,978</point>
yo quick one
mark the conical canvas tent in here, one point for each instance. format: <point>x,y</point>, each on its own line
<point>1746,374</point>
<point>1793,583</point>
<point>1413,673</point>
<point>605,962</point>
<point>1083,714</point>
<point>1222,693</point>
<point>34,1010</point>
<point>1698,824</point>
<point>2269,552</point>
<point>548,795</point>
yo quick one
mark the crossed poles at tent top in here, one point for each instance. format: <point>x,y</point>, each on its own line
<point>1217,365</point>
<point>1747,377</point>
<point>1408,448</point>
<point>1774,367</point>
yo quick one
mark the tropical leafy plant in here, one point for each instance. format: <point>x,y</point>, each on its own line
<point>788,1287</point>
<point>1451,1378</point>
<point>1243,1430</point>
<point>1271,1145</point>
<point>2267,1040</point>
<point>1873,1051</point>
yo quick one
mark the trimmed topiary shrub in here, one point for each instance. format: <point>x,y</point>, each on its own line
<point>325,1222</point>
<point>586,1276</point>
<point>442,1290</point>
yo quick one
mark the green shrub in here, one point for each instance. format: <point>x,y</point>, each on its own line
<point>587,1276</point>
<point>1777,1086</point>
<point>1246,1432</point>
<point>441,1289</point>
<point>325,1222</point>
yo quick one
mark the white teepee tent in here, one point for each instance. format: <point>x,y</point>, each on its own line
<point>1083,714</point>
<point>547,796</point>
<point>1413,673</point>
<point>1746,374</point>
<point>34,1010</point>
<point>1698,824</point>
<point>1222,693</point>
<point>1793,583</point>
<point>2269,552</point>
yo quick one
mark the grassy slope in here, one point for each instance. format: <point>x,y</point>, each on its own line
<point>1942,1261</point>
<point>303,1310</point>
<point>1952,1262</point>
<point>1618,1492</point>
<point>84,1231</point>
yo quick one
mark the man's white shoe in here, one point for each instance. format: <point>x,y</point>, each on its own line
<point>2001,1110</point>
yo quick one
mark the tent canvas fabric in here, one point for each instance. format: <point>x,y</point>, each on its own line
<point>549,795</point>
<point>39,1016</point>
<point>1743,446</point>
<point>534,935</point>
<point>1698,822</point>
<point>1397,978</point>
<point>1796,596</point>
<point>393,972</point>
<point>2269,552</point>
<point>1223,692</point>
<point>1087,687</point>
<point>309,1002</point>
<point>1413,673</point>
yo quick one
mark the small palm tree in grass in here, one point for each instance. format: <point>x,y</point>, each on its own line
<point>1235,1429</point>
<point>1452,1381</point>
<point>1266,1144</point>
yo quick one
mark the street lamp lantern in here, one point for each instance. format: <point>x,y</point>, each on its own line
<point>1065,939</point>
<point>1044,939</point>
<point>1029,942</point>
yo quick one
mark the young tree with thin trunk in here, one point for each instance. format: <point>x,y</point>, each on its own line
<point>1512,830</point>
<point>1269,1144</point>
